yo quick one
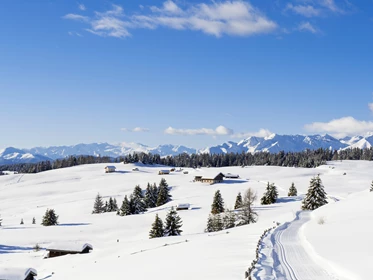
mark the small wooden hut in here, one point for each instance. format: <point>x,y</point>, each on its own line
<point>66,248</point>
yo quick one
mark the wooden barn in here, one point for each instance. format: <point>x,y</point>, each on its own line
<point>183,206</point>
<point>110,169</point>
<point>197,178</point>
<point>217,179</point>
<point>66,248</point>
<point>18,273</point>
<point>163,172</point>
<point>231,176</point>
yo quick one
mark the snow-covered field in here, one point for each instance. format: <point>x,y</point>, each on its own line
<point>341,243</point>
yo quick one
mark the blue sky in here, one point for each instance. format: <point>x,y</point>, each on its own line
<point>184,72</point>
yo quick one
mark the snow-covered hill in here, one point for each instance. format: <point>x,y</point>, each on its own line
<point>273,144</point>
<point>121,245</point>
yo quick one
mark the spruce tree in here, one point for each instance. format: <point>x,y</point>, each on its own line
<point>316,195</point>
<point>173,223</point>
<point>33,221</point>
<point>22,222</point>
<point>218,222</point>
<point>125,209</point>
<point>98,206</point>
<point>217,205</point>
<point>150,196</point>
<point>210,223</point>
<point>229,219</point>
<point>163,193</point>
<point>115,205</point>
<point>50,218</point>
<point>270,196</point>
<point>139,205</point>
<point>246,214</point>
<point>292,190</point>
<point>238,203</point>
<point>157,229</point>
<point>106,207</point>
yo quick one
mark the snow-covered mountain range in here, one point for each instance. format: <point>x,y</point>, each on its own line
<point>274,143</point>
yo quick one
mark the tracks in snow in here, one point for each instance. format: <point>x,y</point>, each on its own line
<point>284,258</point>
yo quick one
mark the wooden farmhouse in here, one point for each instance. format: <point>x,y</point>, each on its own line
<point>217,179</point>
<point>163,172</point>
<point>110,169</point>
<point>183,206</point>
<point>18,273</point>
<point>66,248</point>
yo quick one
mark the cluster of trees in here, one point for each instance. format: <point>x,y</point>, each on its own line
<point>270,196</point>
<point>307,158</point>
<point>33,221</point>
<point>171,227</point>
<point>243,214</point>
<point>138,202</point>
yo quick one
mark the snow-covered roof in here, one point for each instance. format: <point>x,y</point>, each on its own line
<point>16,273</point>
<point>164,171</point>
<point>110,167</point>
<point>69,246</point>
<point>183,205</point>
<point>229,175</point>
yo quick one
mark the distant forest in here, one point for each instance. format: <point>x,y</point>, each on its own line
<point>307,159</point>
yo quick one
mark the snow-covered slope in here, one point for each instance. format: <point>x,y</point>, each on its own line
<point>121,245</point>
<point>12,155</point>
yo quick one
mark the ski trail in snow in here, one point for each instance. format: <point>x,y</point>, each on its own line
<point>290,260</point>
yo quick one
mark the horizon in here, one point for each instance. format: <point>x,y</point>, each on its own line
<point>195,73</point>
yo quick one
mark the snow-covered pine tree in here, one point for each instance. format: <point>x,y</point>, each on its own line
<point>157,229</point>
<point>246,214</point>
<point>218,222</point>
<point>163,193</point>
<point>238,203</point>
<point>98,206</point>
<point>125,209</point>
<point>115,205</point>
<point>150,197</point>
<point>316,195</point>
<point>50,218</point>
<point>173,223</point>
<point>210,224</point>
<point>293,190</point>
<point>22,222</point>
<point>139,205</point>
<point>273,193</point>
<point>106,207</point>
<point>33,221</point>
<point>229,219</point>
<point>217,205</point>
<point>264,200</point>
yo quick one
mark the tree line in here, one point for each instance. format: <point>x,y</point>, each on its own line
<point>306,159</point>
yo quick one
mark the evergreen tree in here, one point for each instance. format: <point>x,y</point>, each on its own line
<point>33,221</point>
<point>98,206</point>
<point>163,193</point>
<point>22,222</point>
<point>217,205</point>
<point>316,195</point>
<point>112,206</point>
<point>50,218</point>
<point>371,187</point>
<point>173,223</point>
<point>115,205</point>
<point>238,203</point>
<point>210,223</point>
<point>218,222</point>
<point>125,209</point>
<point>271,194</point>
<point>247,215</point>
<point>106,207</point>
<point>293,190</point>
<point>139,205</point>
<point>157,229</point>
<point>229,219</point>
<point>151,196</point>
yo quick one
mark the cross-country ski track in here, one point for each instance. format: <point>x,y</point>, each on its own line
<point>283,256</point>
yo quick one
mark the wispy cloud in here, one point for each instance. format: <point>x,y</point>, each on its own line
<point>261,133</point>
<point>136,129</point>
<point>72,33</point>
<point>331,5</point>
<point>307,27</point>
<point>220,130</point>
<point>304,10</point>
<point>235,18</point>
<point>347,126</point>
<point>82,7</point>
<point>370,105</point>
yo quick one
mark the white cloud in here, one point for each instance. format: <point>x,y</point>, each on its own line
<point>220,130</point>
<point>347,126</point>
<point>236,18</point>
<point>136,129</point>
<point>331,5</point>
<point>370,105</point>
<point>76,17</point>
<point>71,33</point>
<point>308,27</point>
<point>304,10</point>
<point>82,7</point>
<point>261,133</point>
